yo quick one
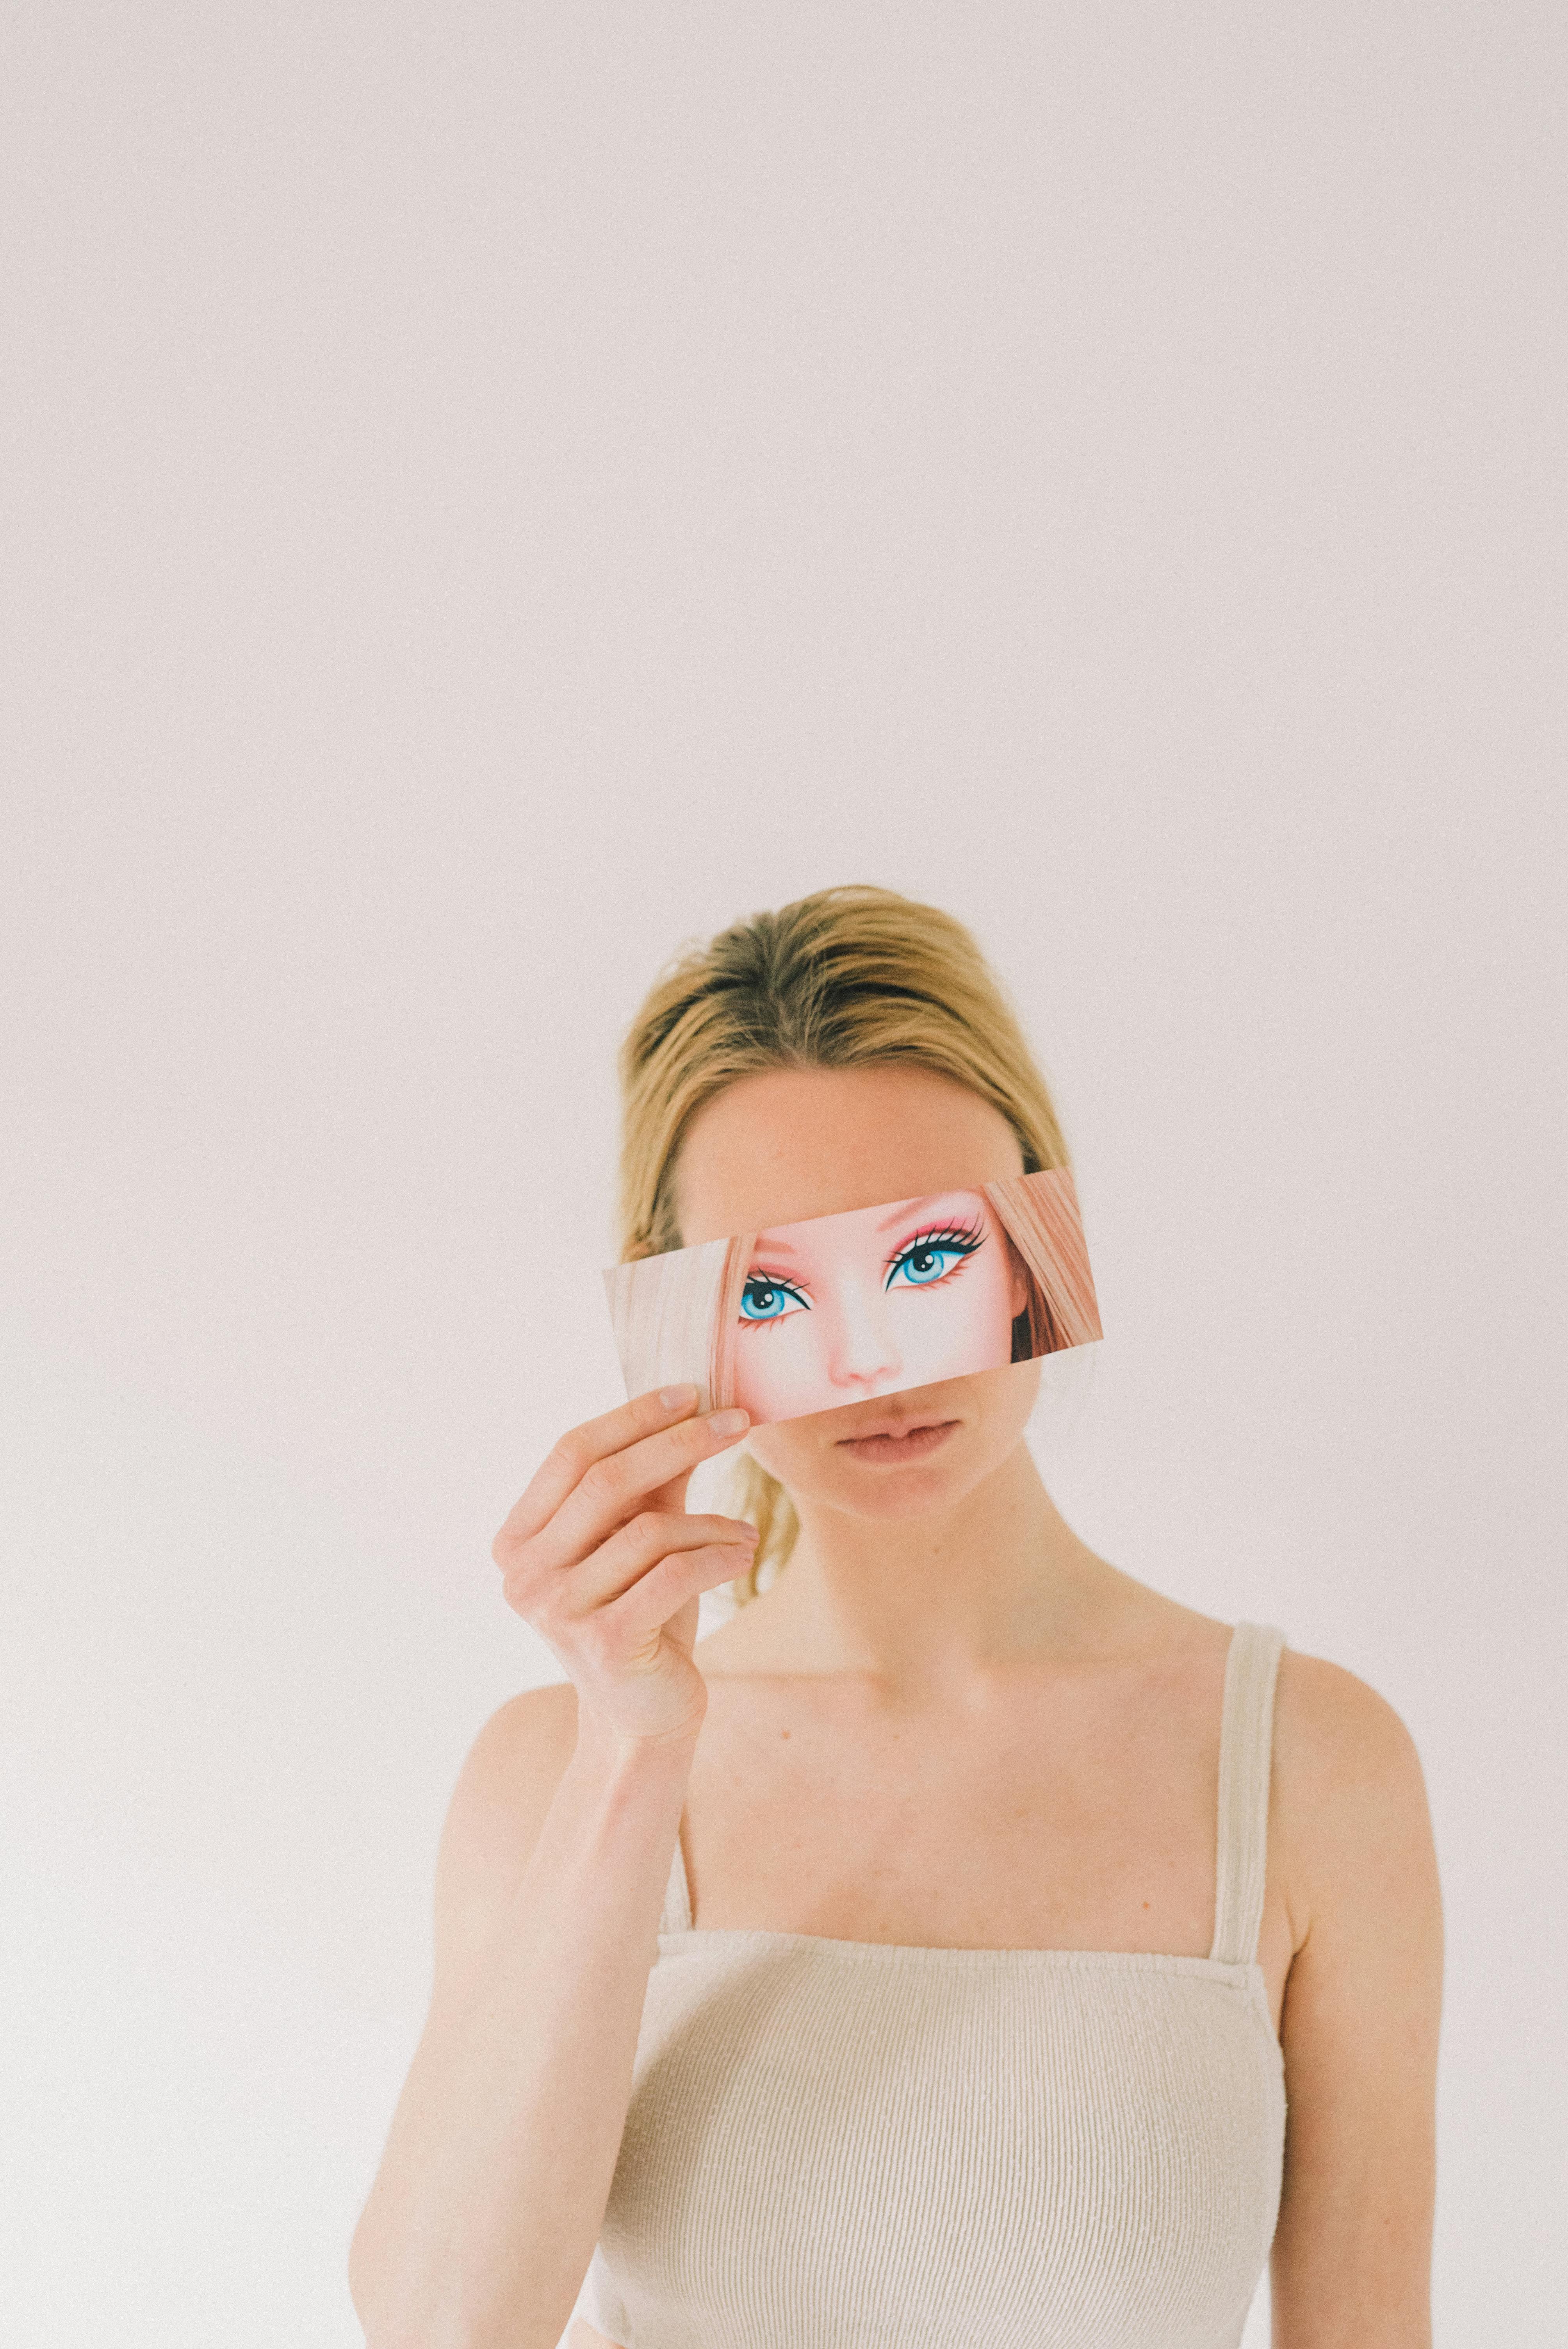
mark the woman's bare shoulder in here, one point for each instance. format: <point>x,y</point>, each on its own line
<point>1348,1792</point>
<point>1362,2008</point>
<point>1333,1729</point>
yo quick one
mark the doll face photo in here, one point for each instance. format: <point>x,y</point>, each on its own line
<point>848,1306</point>
<point>804,1318</point>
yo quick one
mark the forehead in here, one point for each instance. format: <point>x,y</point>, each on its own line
<point>794,1144</point>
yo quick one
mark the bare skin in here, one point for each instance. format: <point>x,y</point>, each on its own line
<point>1000,1740</point>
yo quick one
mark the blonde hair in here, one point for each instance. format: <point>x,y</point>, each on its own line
<point>844,979</point>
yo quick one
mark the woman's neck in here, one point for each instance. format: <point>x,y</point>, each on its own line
<point>930,1606</point>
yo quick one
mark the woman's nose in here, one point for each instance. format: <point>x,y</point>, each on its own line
<point>863,1352</point>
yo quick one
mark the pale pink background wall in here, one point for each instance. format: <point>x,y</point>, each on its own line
<point>489,491</point>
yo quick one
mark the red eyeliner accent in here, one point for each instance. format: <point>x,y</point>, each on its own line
<point>791,1280</point>
<point>931,1231</point>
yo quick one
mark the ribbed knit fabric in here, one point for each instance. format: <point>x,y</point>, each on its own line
<point>849,2144</point>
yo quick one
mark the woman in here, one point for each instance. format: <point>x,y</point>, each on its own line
<point>934,1955</point>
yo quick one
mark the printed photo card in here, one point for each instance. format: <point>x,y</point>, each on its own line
<point>809,1317</point>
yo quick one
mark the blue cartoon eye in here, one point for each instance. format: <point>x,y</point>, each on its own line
<point>769,1301</point>
<point>927,1260</point>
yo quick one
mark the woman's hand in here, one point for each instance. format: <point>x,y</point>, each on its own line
<point>601,1559</point>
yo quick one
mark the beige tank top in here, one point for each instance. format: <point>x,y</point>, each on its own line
<point>847,2144</point>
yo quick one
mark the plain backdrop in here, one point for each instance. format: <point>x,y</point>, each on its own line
<point>491,492</point>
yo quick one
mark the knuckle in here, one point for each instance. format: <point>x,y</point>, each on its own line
<point>522,1579</point>
<point>538,1608</point>
<point>601,1481</point>
<point>519,1586</point>
<point>649,1530</point>
<point>513,1551</point>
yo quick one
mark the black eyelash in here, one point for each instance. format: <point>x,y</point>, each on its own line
<point>770,1280</point>
<point>965,1237</point>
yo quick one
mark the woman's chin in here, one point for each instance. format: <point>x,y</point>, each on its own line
<point>908,1493</point>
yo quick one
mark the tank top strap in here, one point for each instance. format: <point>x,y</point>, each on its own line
<point>675,1916</point>
<point>1246,1748</point>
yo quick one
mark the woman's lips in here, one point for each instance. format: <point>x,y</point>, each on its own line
<point>914,1443</point>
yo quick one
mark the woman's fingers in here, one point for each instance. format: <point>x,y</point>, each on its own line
<point>560,1470</point>
<point>642,1541</point>
<point>611,1486</point>
<point>681,1574</point>
<point>601,1525</point>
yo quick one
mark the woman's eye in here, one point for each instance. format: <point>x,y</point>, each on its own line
<point>927,1261</point>
<point>769,1300</point>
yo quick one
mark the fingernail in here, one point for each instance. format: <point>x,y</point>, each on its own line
<point>729,1423</point>
<point>673,1397</point>
<point>746,1534</point>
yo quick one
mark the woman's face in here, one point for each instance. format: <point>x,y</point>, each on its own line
<point>856,1312</point>
<point>846,1306</point>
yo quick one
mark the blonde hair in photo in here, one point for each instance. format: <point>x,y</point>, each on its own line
<point>674,1318</point>
<point>842,979</point>
<point>1039,1213</point>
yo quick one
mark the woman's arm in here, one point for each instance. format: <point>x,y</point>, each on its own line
<point>483,2216</point>
<point>1351,2263</point>
<point>484,2213</point>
